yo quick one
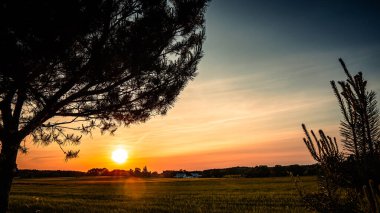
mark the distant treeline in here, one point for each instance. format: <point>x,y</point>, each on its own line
<point>245,172</point>
<point>250,172</point>
<point>32,173</point>
<point>137,172</point>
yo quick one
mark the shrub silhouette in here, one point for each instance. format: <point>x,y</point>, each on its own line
<point>344,174</point>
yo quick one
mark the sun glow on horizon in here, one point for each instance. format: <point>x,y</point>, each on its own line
<point>120,156</point>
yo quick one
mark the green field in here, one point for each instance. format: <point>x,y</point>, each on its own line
<point>112,194</point>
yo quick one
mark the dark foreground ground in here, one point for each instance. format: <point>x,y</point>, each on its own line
<point>110,194</point>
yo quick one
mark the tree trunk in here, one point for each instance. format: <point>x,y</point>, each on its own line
<point>8,157</point>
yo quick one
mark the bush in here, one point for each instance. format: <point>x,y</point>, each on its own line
<point>349,178</point>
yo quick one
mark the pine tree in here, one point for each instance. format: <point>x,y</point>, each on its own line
<point>358,165</point>
<point>69,67</point>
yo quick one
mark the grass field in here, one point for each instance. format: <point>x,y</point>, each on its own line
<point>108,194</point>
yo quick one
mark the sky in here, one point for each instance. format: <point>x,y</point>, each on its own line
<point>265,71</point>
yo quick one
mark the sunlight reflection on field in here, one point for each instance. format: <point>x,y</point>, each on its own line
<point>134,188</point>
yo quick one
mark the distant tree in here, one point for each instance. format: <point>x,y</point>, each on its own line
<point>278,171</point>
<point>169,173</point>
<point>145,169</point>
<point>295,169</point>
<point>131,172</point>
<point>258,171</point>
<point>71,66</point>
<point>97,172</point>
<point>145,172</point>
<point>118,172</point>
<point>155,174</point>
<point>137,172</point>
<point>359,164</point>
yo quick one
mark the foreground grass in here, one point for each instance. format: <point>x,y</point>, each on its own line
<point>110,194</point>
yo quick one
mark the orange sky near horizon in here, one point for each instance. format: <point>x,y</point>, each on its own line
<point>266,70</point>
<point>212,125</point>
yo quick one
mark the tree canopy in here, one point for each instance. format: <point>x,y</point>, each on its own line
<point>99,63</point>
<point>71,66</point>
<point>355,171</point>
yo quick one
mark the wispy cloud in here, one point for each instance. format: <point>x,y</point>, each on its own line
<point>259,80</point>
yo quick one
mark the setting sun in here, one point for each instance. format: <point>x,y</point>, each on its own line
<point>119,155</point>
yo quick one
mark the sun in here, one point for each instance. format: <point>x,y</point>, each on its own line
<point>119,155</point>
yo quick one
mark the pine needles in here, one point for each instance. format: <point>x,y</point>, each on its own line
<point>348,178</point>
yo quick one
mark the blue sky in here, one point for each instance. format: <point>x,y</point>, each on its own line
<point>246,31</point>
<point>266,69</point>
<point>291,48</point>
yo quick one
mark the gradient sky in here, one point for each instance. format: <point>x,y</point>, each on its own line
<point>266,70</point>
